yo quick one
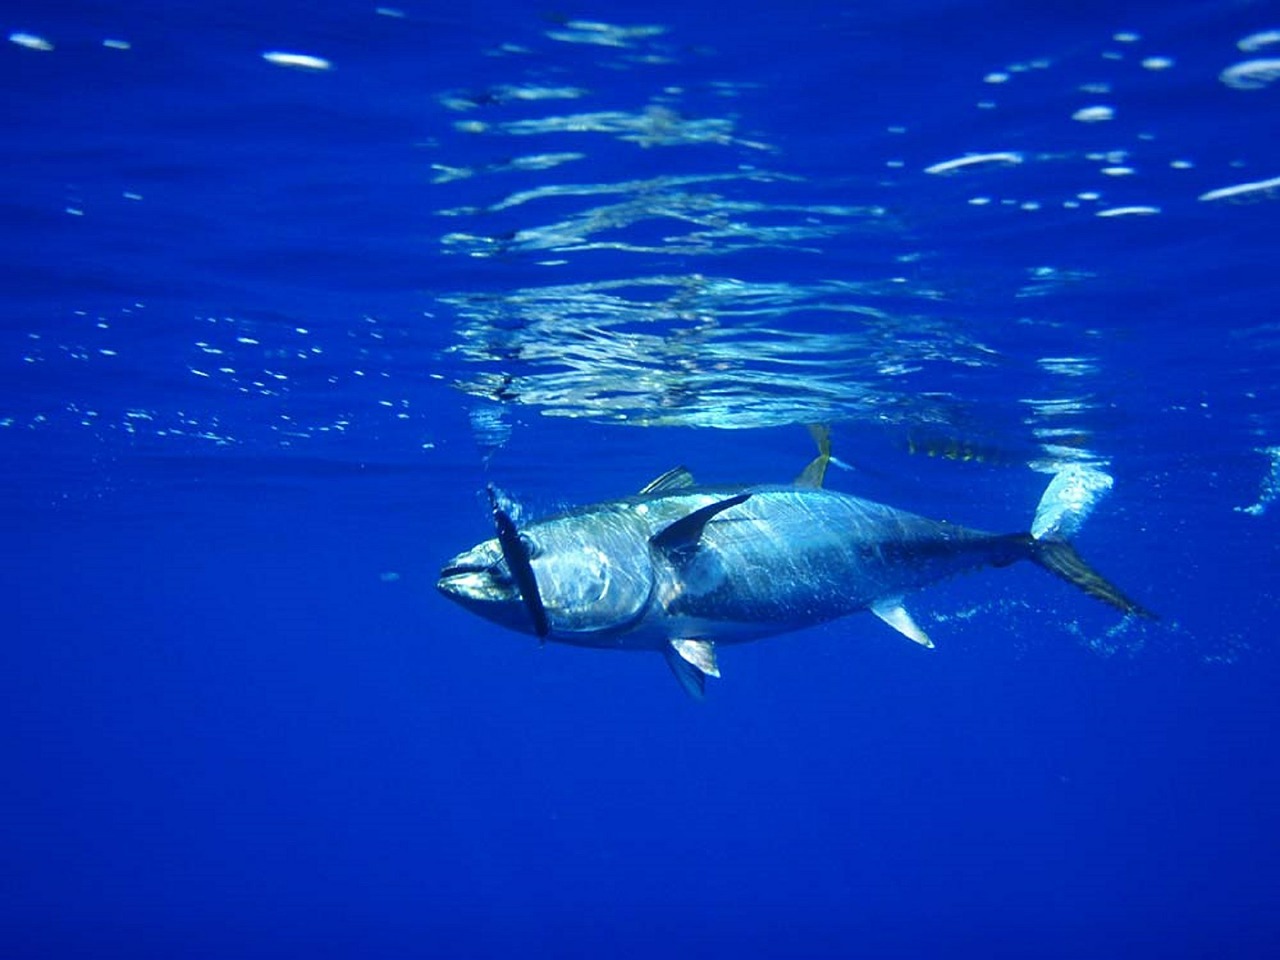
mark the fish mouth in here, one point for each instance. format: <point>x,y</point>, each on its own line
<point>477,584</point>
<point>485,588</point>
<point>480,581</point>
<point>459,569</point>
<point>478,577</point>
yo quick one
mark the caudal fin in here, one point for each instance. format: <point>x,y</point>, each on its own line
<point>1059,557</point>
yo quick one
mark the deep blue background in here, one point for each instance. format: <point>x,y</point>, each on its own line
<point>240,722</point>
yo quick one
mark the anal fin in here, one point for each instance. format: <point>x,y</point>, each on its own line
<point>895,615</point>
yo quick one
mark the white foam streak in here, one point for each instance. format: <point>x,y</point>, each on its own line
<point>1242,190</point>
<point>969,161</point>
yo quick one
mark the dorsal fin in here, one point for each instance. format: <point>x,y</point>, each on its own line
<point>816,471</point>
<point>679,541</point>
<point>677,478</point>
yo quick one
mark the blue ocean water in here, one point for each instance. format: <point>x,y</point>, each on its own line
<point>288,284</point>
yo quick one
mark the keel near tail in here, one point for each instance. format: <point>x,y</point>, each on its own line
<point>1059,557</point>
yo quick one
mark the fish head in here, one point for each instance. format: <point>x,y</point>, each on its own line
<point>593,573</point>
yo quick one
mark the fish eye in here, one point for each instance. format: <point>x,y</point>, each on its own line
<point>533,549</point>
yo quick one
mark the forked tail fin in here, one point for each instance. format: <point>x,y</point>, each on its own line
<point>1065,505</point>
<point>1069,499</point>
<point>1059,557</point>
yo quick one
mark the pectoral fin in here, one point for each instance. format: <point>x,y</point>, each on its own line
<point>679,541</point>
<point>895,615</point>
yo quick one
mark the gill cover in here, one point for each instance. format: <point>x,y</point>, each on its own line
<point>595,571</point>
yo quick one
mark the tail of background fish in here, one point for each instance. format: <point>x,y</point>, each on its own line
<point>1068,500</point>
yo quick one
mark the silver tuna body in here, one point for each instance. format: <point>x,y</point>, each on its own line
<point>785,559</point>
<point>680,569</point>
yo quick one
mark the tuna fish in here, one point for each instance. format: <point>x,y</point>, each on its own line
<point>681,569</point>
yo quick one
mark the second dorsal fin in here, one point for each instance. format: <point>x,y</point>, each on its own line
<point>816,471</point>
